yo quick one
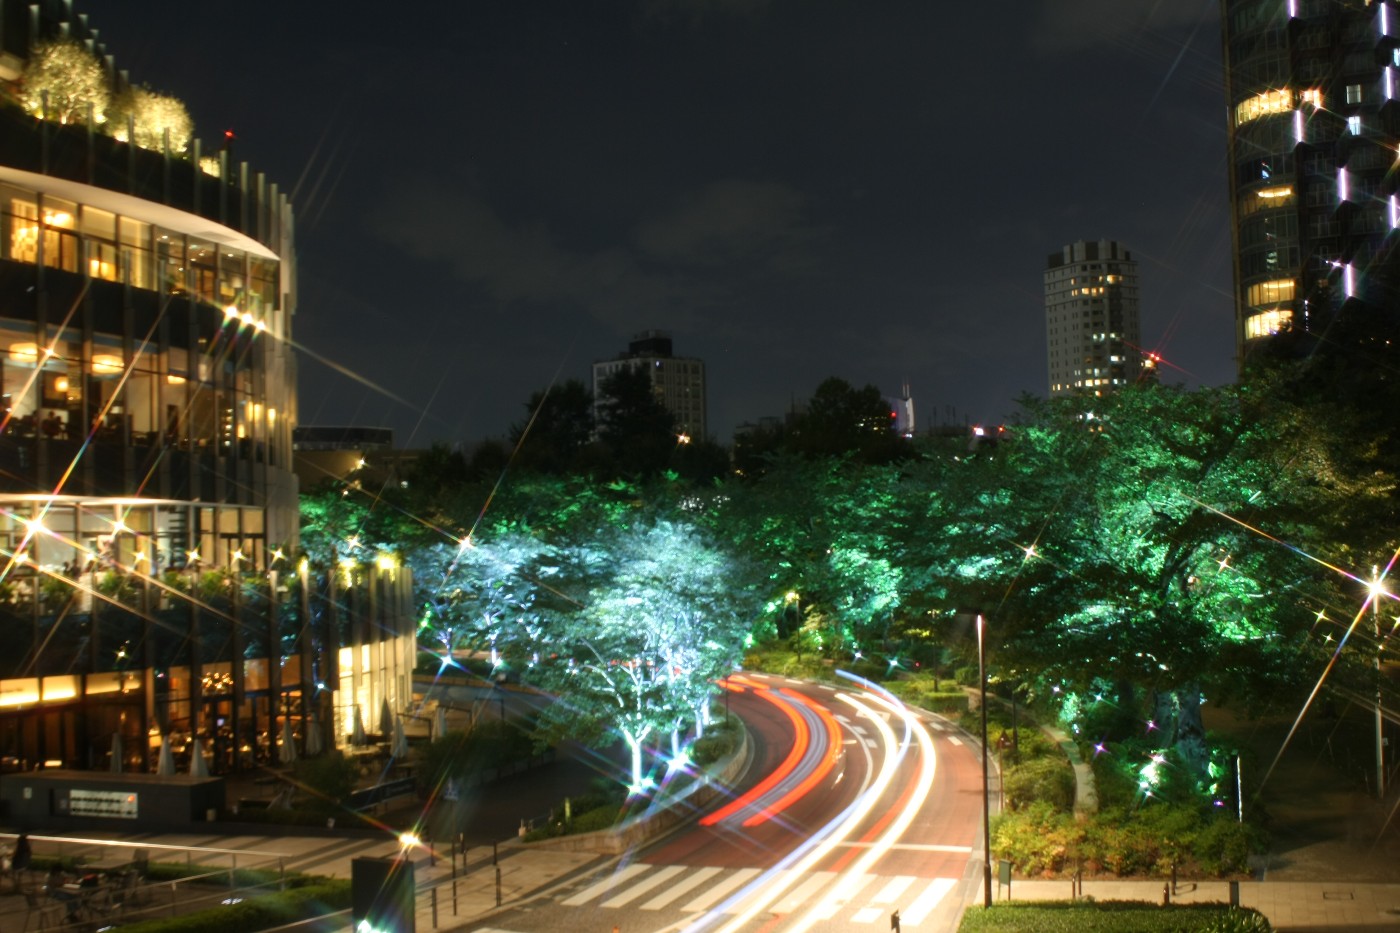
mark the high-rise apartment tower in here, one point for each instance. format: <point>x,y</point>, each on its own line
<point>1091,318</point>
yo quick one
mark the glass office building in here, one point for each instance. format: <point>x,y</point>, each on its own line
<point>148,508</point>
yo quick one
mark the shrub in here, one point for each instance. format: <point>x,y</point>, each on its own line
<point>720,739</point>
<point>940,696</point>
<point>1110,917</point>
<point>1037,839</point>
<point>330,778</point>
<point>256,913</point>
<point>1222,846</point>
<point>772,659</point>
<point>586,821</point>
<point>1039,779</point>
<point>491,745</point>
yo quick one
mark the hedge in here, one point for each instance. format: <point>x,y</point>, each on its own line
<point>1111,917</point>
<point>255,913</point>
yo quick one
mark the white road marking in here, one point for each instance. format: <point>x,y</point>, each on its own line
<point>643,886</point>
<point>606,885</point>
<point>690,881</point>
<point>927,901</point>
<point>704,901</point>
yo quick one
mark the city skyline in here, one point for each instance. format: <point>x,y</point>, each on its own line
<point>792,191</point>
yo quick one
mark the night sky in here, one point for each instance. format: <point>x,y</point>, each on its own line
<point>492,194</point>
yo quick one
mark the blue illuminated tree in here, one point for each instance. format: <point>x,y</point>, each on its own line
<point>660,615</point>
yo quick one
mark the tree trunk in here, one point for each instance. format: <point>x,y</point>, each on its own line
<point>1177,716</point>
<point>635,745</point>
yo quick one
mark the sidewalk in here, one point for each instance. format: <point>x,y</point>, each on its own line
<point>1293,906</point>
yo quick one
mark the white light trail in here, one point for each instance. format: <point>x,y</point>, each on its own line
<point>857,875</point>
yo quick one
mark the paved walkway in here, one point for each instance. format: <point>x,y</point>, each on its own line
<point>454,895</point>
<point>1294,906</point>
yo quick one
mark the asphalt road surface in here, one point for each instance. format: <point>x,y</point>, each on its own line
<point>853,808</point>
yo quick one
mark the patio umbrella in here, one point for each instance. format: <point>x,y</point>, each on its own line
<point>400,747</point>
<point>440,723</point>
<point>288,752</point>
<point>357,734</point>
<point>198,766</point>
<point>386,720</point>
<point>118,753</point>
<point>314,744</point>
<point>165,764</point>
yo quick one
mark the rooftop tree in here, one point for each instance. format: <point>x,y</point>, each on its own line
<point>62,80</point>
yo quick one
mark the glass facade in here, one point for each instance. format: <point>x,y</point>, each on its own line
<point>148,508</point>
<point>1312,142</point>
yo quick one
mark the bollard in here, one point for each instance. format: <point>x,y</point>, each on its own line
<point>1166,893</point>
<point>1174,888</point>
<point>454,895</point>
<point>498,886</point>
<point>434,893</point>
<point>1234,894</point>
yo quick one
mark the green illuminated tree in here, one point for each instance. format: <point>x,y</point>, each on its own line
<point>1159,544</point>
<point>825,532</point>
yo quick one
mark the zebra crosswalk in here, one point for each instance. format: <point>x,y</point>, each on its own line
<point>858,899</point>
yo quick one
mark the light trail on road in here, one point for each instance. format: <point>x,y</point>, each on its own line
<point>908,807</point>
<point>762,891</point>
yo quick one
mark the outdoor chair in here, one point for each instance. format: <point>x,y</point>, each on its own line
<point>48,913</point>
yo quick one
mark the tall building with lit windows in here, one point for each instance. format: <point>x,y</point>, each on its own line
<point>678,381</point>
<point>149,511</point>
<point>1092,333</point>
<point>1311,88</point>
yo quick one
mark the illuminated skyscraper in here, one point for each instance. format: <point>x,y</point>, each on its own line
<point>1311,88</point>
<point>1092,332</point>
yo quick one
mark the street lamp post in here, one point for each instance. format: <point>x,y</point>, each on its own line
<point>986,788</point>
<point>1376,592</point>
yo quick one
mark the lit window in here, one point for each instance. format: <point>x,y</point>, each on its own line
<point>1353,93</point>
<point>1260,105</point>
<point>1270,293</point>
<point>1354,124</point>
<point>1313,96</point>
<point>1266,323</point>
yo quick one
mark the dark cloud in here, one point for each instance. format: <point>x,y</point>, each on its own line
<point>1068,26</point>
<point>688,260</point>
<point>734,222</point>
<point>695,10</point>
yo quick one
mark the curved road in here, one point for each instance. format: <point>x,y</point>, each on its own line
<point>852,807</point>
